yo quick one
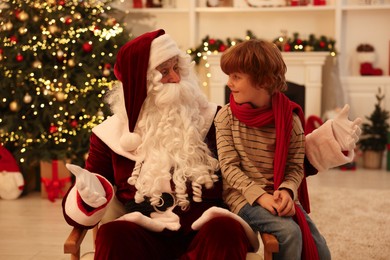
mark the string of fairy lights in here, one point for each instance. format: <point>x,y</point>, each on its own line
<point>44,68</point>
<point>212,46</point>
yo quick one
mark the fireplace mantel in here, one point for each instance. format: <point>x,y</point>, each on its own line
<point>303,68</point>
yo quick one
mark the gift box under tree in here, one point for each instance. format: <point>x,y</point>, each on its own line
<point>55,179</point>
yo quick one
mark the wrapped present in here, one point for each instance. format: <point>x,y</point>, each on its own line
<point>55,179</point>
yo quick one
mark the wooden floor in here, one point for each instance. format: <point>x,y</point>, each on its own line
<point>34,228</point>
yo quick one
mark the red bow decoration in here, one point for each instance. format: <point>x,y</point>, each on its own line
<point>54,186</point>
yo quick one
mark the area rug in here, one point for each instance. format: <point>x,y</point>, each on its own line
<point>355,222</point>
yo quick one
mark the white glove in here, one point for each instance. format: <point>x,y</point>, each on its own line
<point>88,186</point>
<point>167,218</point>
<point>345,131</point>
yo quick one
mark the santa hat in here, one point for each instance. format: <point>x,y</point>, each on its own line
<point>133,61</point>
<point>7,161</point>
<point>11,179</point>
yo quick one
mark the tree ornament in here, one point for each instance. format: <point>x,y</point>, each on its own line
<point>77,16</point>
<point>37,64</point>
<point>60,55</point>
<point>13,39</point>
<point>8,26</point>
<point>68,20</point>
<point>87,47</point>
<point>19,57</point>
<point>60,96</point>
<point>14,106</point>
<point>53,129</point>
<point>53,29</point>
<point>23,16</point>
<point>27,98</point>
<point>107,69</point>
<point>106,72</point>
<point>1,54</point>
<point>22,30</point>
<point>71,63</point>
<point>74,123</point>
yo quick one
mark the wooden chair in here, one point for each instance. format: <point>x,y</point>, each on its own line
<point>73,243</point>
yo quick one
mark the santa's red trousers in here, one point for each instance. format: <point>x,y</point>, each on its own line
<point>219,238</point>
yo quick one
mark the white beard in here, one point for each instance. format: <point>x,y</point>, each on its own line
<point>173,133</point>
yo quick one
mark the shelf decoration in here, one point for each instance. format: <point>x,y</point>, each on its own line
<point>366,57</point>
<point>284,43</point>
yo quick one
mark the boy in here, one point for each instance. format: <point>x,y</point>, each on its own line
<point>261,149</point>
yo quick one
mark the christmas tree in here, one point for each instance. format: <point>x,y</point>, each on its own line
<point>374,132</point>
<point>56,62</point>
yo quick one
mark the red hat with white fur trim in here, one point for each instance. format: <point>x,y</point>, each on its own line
<point>133,61</point>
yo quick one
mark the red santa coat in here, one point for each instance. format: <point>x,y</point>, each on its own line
<point>113,166</point>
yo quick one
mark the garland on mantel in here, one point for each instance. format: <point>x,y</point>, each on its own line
<point>284,43</point>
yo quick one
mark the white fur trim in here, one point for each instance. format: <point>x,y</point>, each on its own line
<point>208,114</point>
<point>214,212</point>
<point>162,49</point>
<point>322,149</point>
<point>110,132</point>
<point>130,141</point>
<point>11,185</point>
<point>79,214</point>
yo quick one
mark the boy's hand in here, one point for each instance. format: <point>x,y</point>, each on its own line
<point>286,205</point>
<point>267,201</point>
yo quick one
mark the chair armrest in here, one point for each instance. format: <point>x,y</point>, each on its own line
<point>270,242</point>
<point>271,245</point>
<point>73,242</point>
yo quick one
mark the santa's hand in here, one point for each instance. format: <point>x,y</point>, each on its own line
<point>345,131</point>
<point>88,185</point>
<point>167,218</point>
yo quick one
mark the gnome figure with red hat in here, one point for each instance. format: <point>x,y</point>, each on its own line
<point>155,162</point>
<point>11,179</point>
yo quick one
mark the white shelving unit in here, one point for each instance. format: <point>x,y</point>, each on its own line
<point>349,22</point>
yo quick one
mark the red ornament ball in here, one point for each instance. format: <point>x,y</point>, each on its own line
<point>322,44</point>
<point>53,129</point>
<point>212,41</point>
<point>68,20</point>
<point>87,47</point>
<point>287,47</point>
<point>19,58</point>
<point>222,48</point>
<point>74,123</point>
<point>13,39</point>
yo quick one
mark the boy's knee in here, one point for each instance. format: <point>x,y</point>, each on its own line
<point>290,232</point>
